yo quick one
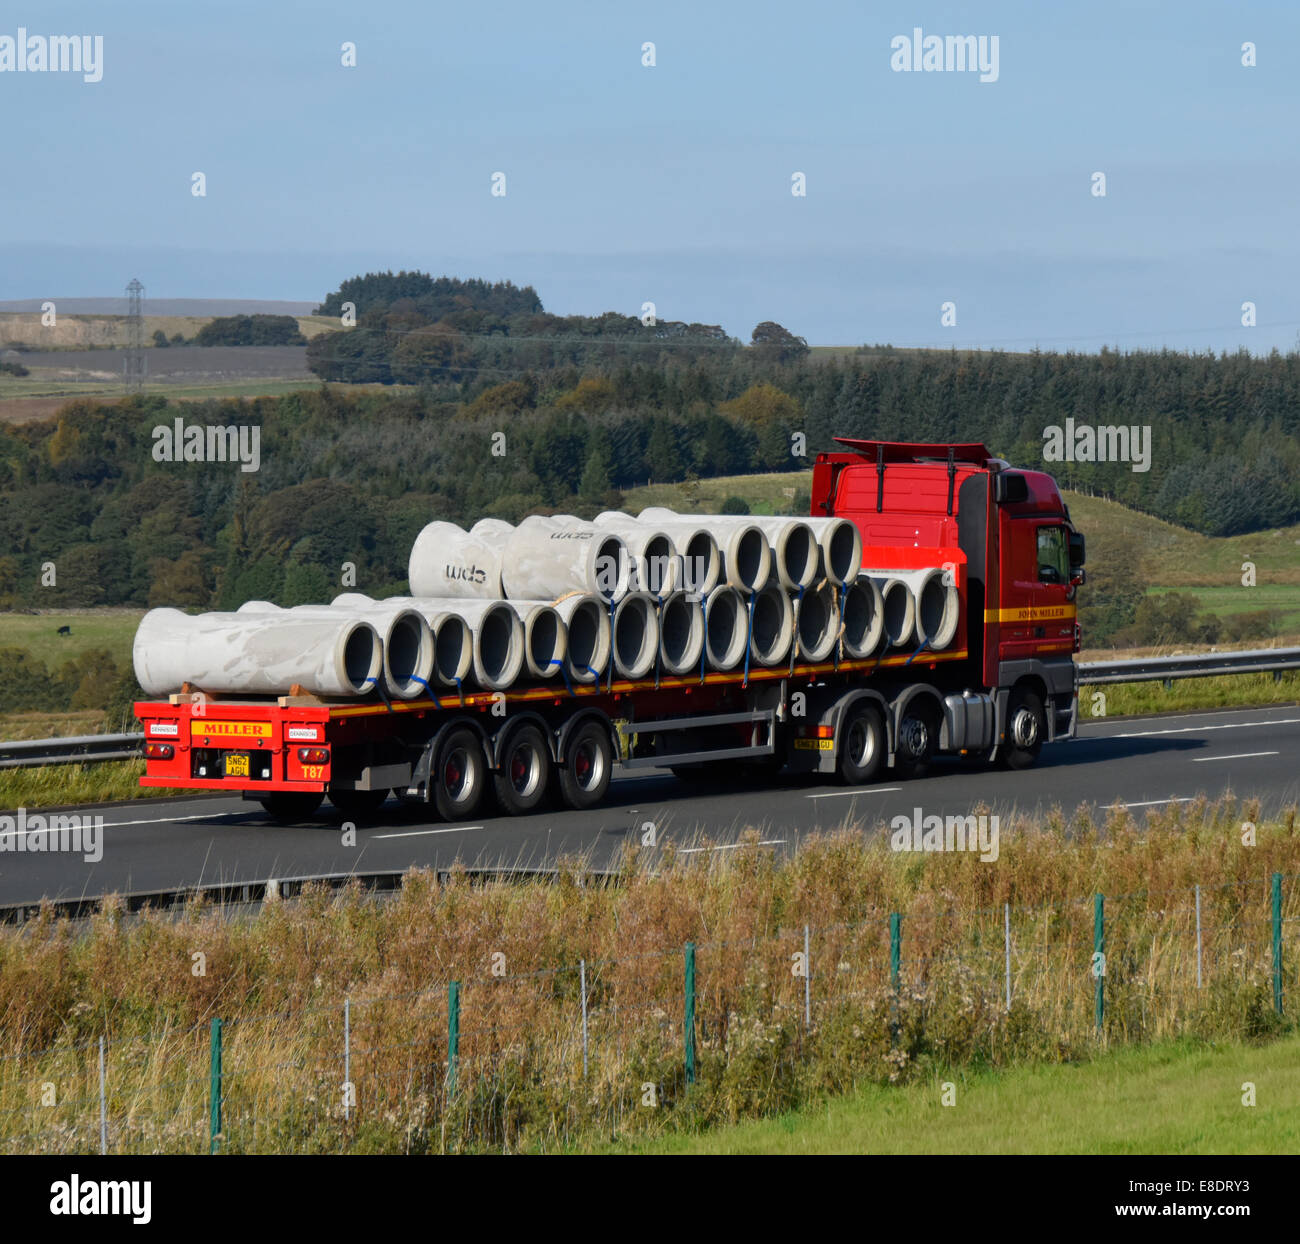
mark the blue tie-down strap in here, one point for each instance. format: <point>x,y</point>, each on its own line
<point>460,691</point>
<point>427,689</point>
<point>925,643</point>
<point>564,673</point>
<point>749,639</point>
<point>609,680</point>
<point>704,618</point>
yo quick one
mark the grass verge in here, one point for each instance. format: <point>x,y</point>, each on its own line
<point>57,786</point>
<point>1172,1098</point>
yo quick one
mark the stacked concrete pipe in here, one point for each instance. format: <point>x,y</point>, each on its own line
<point>586,623</point>
<point>546,638</point>
<point>746,554</point>
<point>408,644</point>
<point>498,640</point>
<point>256,653</point>
<point>817,623</point>
<point>449,562</point>
<point>452,642</point>
<point>898,606</point>
<point>635,629</point>
<point>938,605</point>
<point>545,558</point>
<point>695,544</point>
<point>863,617</point>
<point>656,563</point>
<point>681,633</point>
<point>726,627</point>
<point>771,627</point>
<point>841,546</point>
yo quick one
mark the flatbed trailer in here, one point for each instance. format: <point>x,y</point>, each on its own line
<point>1006,686</point>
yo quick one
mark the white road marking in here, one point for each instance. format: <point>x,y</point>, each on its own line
<point>1150,803</point>
<point>1229,725</point>
<point>732,846</point>
<point>840,794</point>
<point>1200,760</point>
<point>415,833</point>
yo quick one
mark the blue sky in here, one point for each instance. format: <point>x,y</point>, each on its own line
<point>672,184</point>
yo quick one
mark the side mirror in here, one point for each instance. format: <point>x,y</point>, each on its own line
<point>1078,549</point>
<point>1009,487</point>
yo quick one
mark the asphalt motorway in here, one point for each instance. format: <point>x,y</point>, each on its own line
<point>1140,762</point>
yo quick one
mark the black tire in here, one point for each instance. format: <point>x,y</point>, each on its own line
<point>588,766</point>
<point>863,745</point>
<point>521,781</point>
<point>918,739</point>
<point>358,803</point>
<point>1026,729</point>
<point>291,805</point>
<point>460,776</point>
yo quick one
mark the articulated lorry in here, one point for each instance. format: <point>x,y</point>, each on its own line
<point>1004,686</point>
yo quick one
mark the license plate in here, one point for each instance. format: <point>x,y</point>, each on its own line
<point>814,745</point>
<point>236,764</point>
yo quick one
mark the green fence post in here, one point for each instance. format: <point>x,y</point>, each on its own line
<point>453,1034</point>
<point>1277,942</point>
<point>1099,957</point>
<point>214,1090</point>
<point>895,948</point>
<point>688,1026</point>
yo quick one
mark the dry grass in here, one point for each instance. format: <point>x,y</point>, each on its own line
<point>280,979</point>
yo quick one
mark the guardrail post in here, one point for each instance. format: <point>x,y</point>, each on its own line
<point>1198,937</point>
<point>807,979</point>
<point>582,982</point>
<point>347,1058</point>
<point>1277,942</point>
<point>214,1087</point>
<point>688,1024</point>
<point>1006,949</point>
<point>453,1034</point>
<point>895,948</point>
<point>103,1105</point>
<point>1099,958</point>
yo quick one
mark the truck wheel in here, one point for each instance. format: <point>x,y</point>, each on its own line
<point>588,766</point>
<point>525,770</point>
<point>918,735</point>
<point>1026,728</point>
<point>291,805</point>
<point>358,802</point>
<point>460,776</point>
<point>862,745</point>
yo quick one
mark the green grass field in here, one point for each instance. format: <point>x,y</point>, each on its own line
<point>1166,1099</point>
<point>113,629</point>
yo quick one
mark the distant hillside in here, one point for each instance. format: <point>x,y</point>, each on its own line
<point>164,306</point>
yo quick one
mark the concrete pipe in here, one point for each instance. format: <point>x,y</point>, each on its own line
<point>726,627</point>
<point>938,606</point>
<point>586,622</point>
<point>656,566</point>
<point>817,623</point>
<point>635,635</point>
<point>255,653</point>
<point>796,554</point>
<point>841,546</point>
<point>863,618</point>
<point>746,553</point>
<point>498,640</point>
<point>407,637</point>
<point>451,643</point>
<point>681,633</point>
<point>898,606</point>
<point>546,641</point>
<point>548,557</point>
<point>772,626</point>
<point>449,562</point>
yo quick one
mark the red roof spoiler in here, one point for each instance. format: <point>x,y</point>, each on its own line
<point>904,451</point>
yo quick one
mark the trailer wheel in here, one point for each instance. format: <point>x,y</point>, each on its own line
<point>918,736</point>
<point>525,771</point>
<point>862,745</point>
<point>588,766</point>
<point>291,805</point>
<point>1026,728</point>
<point>460,776</point>
<point>358,802</point>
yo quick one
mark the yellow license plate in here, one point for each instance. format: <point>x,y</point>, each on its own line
<point>237,764</point>
<point>814,745</point>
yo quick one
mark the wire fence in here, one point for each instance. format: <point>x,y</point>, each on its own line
<point>715,1029</point>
